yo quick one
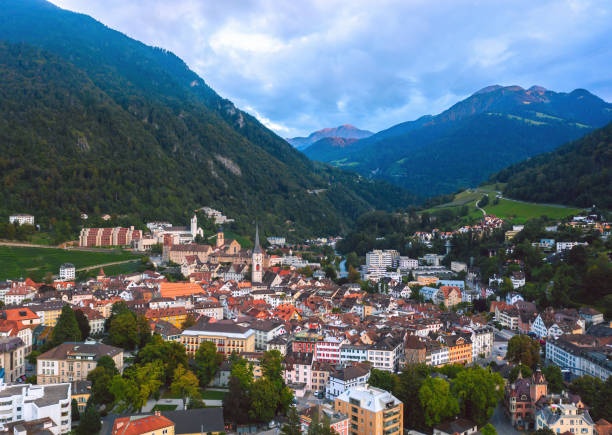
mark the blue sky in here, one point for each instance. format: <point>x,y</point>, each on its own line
<point>302,65</point>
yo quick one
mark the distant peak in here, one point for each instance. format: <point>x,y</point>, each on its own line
<point>488,89</point>
<point>536,88</point>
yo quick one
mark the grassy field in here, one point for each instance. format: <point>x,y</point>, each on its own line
<point>520,212</point>
<point>514,211</point>
<point>213,395</point>
<point>36,262</point>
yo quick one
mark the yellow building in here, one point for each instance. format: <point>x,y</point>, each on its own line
<point>565,418</point>
<point>427,280</point>
<point>81,391</point>
<point>371,411</point>
<point>228,337</point>
<point>459,349</point>
<point>173,315</point>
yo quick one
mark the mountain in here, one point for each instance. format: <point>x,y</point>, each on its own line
<point>94,121</point>
<point>328,146</point>
<point>578,173</point>
<point>345,131</point>
<point>462,146</point>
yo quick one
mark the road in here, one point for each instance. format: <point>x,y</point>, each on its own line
<point>97,266</point>
<point>502,423</point>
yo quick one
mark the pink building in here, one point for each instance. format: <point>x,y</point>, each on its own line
<point>298,369</point>
<point>328,350</point>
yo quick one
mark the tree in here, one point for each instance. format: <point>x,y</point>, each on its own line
<point>264,400</point>
<point>479,392</point>
<point>293,426</point>
<point>524,350</point>
<point>237,403</point>
<point>207,361</point>
<point>100,382</point>
<point>437,401</point>
<point>488,429</point>
<point>184,384</point>
<point>383,379</point>
<point>127,330</point>
<point>90,420</point>
<point>409,383</point>
<point>588,388</point>
<point>189,322</point>
<point>320,426</point>
<point>272,369</point>
<point>137,385</point>
<point>76,415</point>
<point>554,377</point>
<point>353,274</point>
<point>170,353</point>
<point>83,323</point>
<point>519,368</point>
<point>108,364</point>
<point>66,329</point>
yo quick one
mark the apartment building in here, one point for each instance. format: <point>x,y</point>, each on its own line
<point>228,337</point>
<point>328,349</point>
<point>371,411</point>
<point>565,418</point>
<point>73,361</point>
<point>46,406</point>
<point>108,236</point>
<point>345,378</point>
<point>581,354</point>
<point>12,358</point>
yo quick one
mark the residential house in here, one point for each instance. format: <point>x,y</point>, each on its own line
<point>565,418</point>
<point>371,411</point>
<point>12,359</point>
<point>346,377</point>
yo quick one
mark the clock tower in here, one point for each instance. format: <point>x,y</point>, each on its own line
<point>257,260</point>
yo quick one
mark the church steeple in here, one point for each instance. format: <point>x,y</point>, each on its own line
<point>257,260</point>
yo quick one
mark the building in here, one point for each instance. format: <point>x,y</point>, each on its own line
<point>371,411</point>
<point>458,426</point>
<point>344,378</point>
<point>108,236</point>
<point>565,418</point>
<point>566,246</point>
<point>277,241</point>
<point>257,259</point>
<point>21,219</point>
<point>173,315</point>
<point>457,266</point>
<point>520,399</point>
<point>196,421</point>
<point>12,358</point>
<point>67,272</point>
<point>338,422</point>
<point>228,337</point>
<point>26,403</point>
<point>382,259</point>
<point>517,279</point>
<point>265,331</point>
<point>328,349</point>
<point>155,424</point>
<point>449,296</point>
<point>459,348</point>
<point>81,392</point>
<point>70,362</point>
<point>386,354</point>
<point>298,369</point>
<point>581,355</point>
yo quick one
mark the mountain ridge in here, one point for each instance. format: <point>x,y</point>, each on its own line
<point>344,131</point>
<point>464,144</point>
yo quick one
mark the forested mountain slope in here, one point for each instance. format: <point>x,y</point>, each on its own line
<point>93,121</point>
<point>578,173</point>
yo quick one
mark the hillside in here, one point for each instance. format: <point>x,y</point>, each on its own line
<point>578,173</point>
<point>328,146</point>
<point>462,146</point>
<point>345,131</point>
<point>93,121</point>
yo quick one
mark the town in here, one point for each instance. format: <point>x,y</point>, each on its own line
<point>215,337</point>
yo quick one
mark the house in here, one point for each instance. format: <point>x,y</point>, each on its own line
<point>346,377</point>
<point>339,423</point>
<point>371,411</point>
<point>45,408</point>
<point>517,279</point>
<point>179,289</point>
<point>591,316</point>
<point>328,349</point>
<point>80,392</point>
<point>459,426</point>
<point>298,369</point>
<point>143,425</point>
<point>565,418</point>
<point>196,421</point>
<point>265,331</point>
<point>513,297</point>
<point>520,399</point>
<point>449,296</point>
<point>72,361</point>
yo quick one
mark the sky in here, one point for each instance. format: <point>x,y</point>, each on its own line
<point>302,65</point>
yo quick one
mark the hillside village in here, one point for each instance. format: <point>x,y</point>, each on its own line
<point>338,344</point>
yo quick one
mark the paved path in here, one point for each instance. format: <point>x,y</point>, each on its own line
<point>501,423</point>
<point>178,402</point>
<point>97,266</point>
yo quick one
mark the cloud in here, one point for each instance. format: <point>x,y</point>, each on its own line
<point>300,66</point>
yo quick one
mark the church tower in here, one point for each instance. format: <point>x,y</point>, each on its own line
<point>257,263</point>
<point>194,226</point>
<point>220,237</point>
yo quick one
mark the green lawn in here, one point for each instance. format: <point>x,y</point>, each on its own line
<point>519,212</point>
<point>162,408</point>
<point>16,262</point>
<point>213,395</point>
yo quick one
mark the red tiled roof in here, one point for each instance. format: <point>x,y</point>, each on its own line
<point>139,425</point>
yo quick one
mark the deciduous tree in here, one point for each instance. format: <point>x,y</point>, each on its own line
<point>184,384</point>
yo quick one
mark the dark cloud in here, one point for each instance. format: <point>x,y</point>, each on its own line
<point>303,65</point>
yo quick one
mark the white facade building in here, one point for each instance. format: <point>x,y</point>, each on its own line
<point>328,349</point>
<point>346,378</point>
<point>408,263</point>
<point>378,258</point>
<point>566,246</point>
<point>26,402</point>
<point>22,219</point>
<point>351,352</point>
<point>67,272</point>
